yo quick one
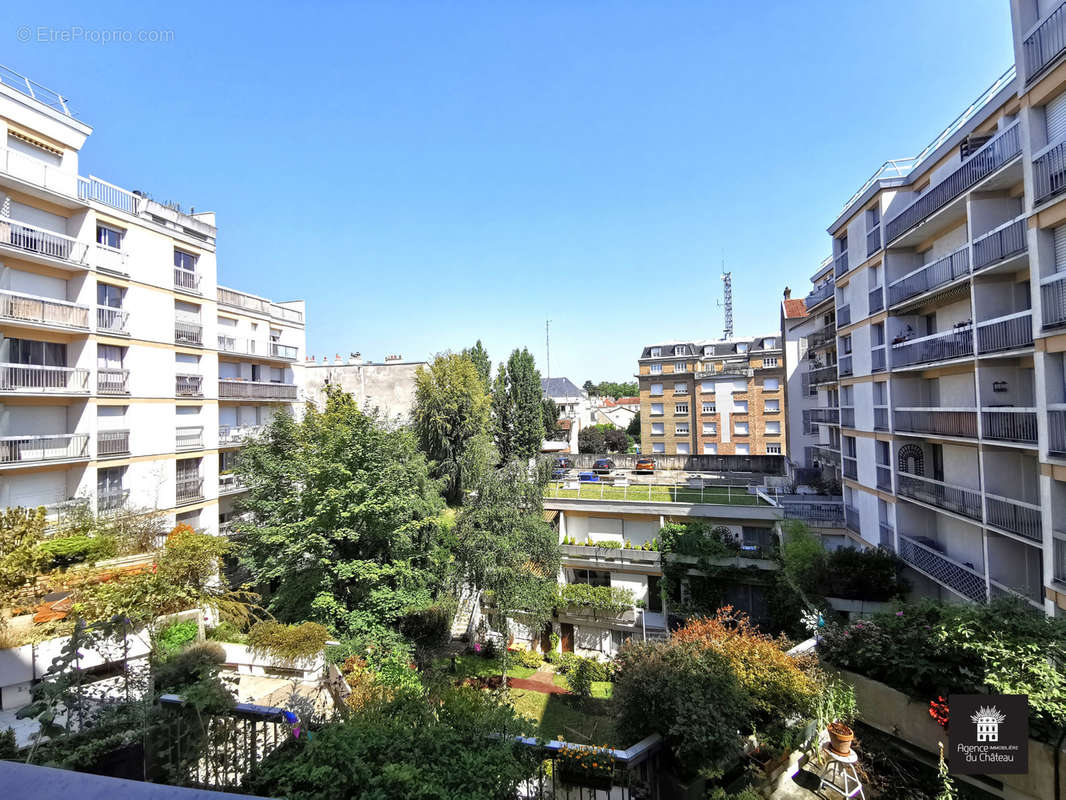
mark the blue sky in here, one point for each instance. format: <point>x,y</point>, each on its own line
<point>426,174</point>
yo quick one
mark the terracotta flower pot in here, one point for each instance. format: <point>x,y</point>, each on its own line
<point>840,736</point>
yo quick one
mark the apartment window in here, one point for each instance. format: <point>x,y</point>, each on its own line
<point>681,350</point>
<point>681,388</point>
<point>771,406</point>
<point>656,409</point>
<point>771,384</point>
<point>710,449</point>
<point>880,393</point>
<point>109,491</point>
<point>710,408</point>
<point>769,361</point>
<point>773,428</point>
<point>742,347</point>
<point>873,217</point>
<point>849,446</point>
<point>877,334</point>
<point>593,577</point>
<point>681,408</point>
<point>656,389</point>
<point>773,449</point>
<point>656,369</point>
<point>845,344</point>
<point>109,237</point>
<point>109,296</point>
<point>740,407</point>
<point>683,448</point>
<point>183,260</point>
<point>769,343</point>
<point>658,429</point>
<point>708,351</point>
<point>707,387</point>
<point>884,457</point>
<point>656,352</point>
<point>109,356</point>
<point>740,428</point>
<point>710,428</point>
<point>658,447</point>
<point>842,245</point>
<point>741,449</point>
<point>681,429</point>
<point>681,366</point>
<point>740,386</point>
<point>29,352</point>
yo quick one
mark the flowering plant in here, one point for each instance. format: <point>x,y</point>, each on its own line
<point>591,761</point>
<point>938,710</point>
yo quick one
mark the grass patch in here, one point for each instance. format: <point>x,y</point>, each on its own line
<point>601,690</point>
<point>657,494</point>
<point>582,722</point>
<point>473,666</point>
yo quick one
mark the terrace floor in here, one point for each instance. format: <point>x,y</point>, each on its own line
<point>646,492</point>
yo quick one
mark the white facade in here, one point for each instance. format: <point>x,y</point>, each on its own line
<point>122,361</point>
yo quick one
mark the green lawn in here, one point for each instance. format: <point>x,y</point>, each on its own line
<point>718,495</point>
<point>473,666</point>
<point>578,721</point>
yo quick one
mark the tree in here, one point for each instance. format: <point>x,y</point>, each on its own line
<point>451,417</point>
<point>479,357</point>
<point>517,409</point>
<point>616,390</point>
<point>616,440</point>
<point>589,387</point>
<point>344,519</point>
<point>633,429</point>
<point>551,418</point>
<point>20,531</point>
<point>591,440</point>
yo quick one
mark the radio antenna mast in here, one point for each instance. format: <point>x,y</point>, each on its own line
<point>547,349</point>
<point>727,300</point>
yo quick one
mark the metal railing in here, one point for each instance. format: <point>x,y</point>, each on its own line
<point>1009,425</point>
<point>823,453</point>
<point>823,374</point>
<point>876,299</point>
<point>844,316</point>
<point>283,351</point>
<point>1005,241</point>
<point>851,468</point>
<point>256,390</point>
<point>189,490</point>
<point>826,416</point>
<point>45,447</point>
<point>851,518</point>
<point>232,434</point>
<point>93,188</point>
<point>873,241</point>
<point>931,276</point>
<point>878,359</point>
<point>819,295</point>
<point>998,151</point>
<point>42,94</point>
<point>937,421</point>
<point>188,333</point>
<point>1044,44</point>
<point>231,297</point>
<point>960,578</point>
<point>1056,428</point>
<point>959,499</point>
<point>840,264</point>
<point>1008,332</point>
<point>112,320</point>
<point>705,492</point>
<point>822,336</point>
<point>189,438</point>
<point>45,310</point>
<point>1015,516</point>
<point>847,416</point>
<point>112,443</point>
<point>112,381</point>
<point>1049,173</point>
<point>187,279</point>
<point>957,343</point>
<point>1053,301</point>
<point>884,477</point>
<point>880,418</point>
<point>817,514</point>
<point>43,242</point>
<point>189,385</point>
<point>33,378</point>
<point>229,482</point>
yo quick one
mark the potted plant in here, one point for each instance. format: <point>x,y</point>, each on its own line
<point>836,712</point>
<point>586,766</point>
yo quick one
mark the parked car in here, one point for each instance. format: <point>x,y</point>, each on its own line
<point>645,465</point>
<point>590,477</point>
<point>561,466</point>
<point>603,465</point>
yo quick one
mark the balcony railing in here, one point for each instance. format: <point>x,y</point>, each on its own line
<point>1009,425</point>
<point>844,367</point>
<point>938,273</point>
<point>850,468</point>
<point>937,421</point>
<point>884,477</point>
<point>112,320</point>
<point>827,416</point>
<point>46,447</point>
<point>1015,516</point>
<point>32,378</point>
<point>1003,242</point>
<point>101,191</point>
<point>33,170</point>
<point>851,517</point>
<point>1053,301</point>
<point>880,418</point>
<point>230,297</point>
<point>961,578</point>
<point>255,390</point>
<point>189,490</point>
<point>279,350</point>
<point>112,381</point>
<point>873,241</point>
<point>186,279</point>
<point>1009,332</point>
<point>844,316</point>
<point>111,500</point>
<point>1056,425</point>
<point>43,310</point>
<point>824,335</point>
<point>998,151</point>
<point>189,438</point>
<point>1044,44</point>
<point>877,359</point>
<point>228,482</point>
<point>189,385</point>
<point>959,499</point>
<point>847,416</point>
<point>819,295</point>
<point>840,264</point>
<point>817,514</point>
<point>876,299</point>
<point>823,374</point>
<point>824,454</point>
<point>957,343</point>
<point>188,333</point>
<point>112,443</point>
<point>232,434</point>
<point>42,242</point>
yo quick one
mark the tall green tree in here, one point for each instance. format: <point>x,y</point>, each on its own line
<point>551,418</point>
<point>518,414</point>
<point>479,357</point>
<point>345,519</point>
<point>451,419</point>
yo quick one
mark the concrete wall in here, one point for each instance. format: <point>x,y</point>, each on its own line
<point>388,387</point>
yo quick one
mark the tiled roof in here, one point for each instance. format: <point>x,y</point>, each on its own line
<point>559,387</point>
<point>794,309</point>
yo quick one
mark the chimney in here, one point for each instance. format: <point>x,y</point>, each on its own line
<point>337,358</point>
<point>788,293</point>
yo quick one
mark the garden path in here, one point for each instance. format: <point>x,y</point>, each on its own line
<point>542,681</point>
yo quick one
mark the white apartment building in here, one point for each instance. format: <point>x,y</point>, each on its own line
<point>126,374</point>
<point>949,276</point>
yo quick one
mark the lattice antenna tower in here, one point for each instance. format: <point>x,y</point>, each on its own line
<point>727,301</point>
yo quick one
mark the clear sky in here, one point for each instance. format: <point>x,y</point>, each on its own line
<point>428,173</point>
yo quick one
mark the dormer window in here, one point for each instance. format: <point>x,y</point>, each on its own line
<point>656,352</point>
<point>769,343</point>
<point>742,347</point>
<point>681,350</point>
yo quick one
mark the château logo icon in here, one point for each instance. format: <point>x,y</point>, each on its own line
<point>988,719</point>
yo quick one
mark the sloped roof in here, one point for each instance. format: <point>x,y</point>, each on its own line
<point>794,309</point>
<point>559,387</point>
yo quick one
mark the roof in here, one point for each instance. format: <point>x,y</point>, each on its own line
<point>627,401</point>
<point>708,348</point>
<point>559,387</point>
<point>794,309</point>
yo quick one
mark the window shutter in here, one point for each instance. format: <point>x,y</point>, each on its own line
<point>1055,113</point>
<point>1060,248</point>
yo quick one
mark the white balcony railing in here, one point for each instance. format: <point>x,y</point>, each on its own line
<point>93,188</point>
<point>112,381</point>
<point>188,490</point>
<point>256,390</point>
<point>233,434</point>
<point>964,579</point>
<point>1009,332</point>
<point>957,343</point>
<point>228,482</point>
<point>186,279</point>
<point>189,385</point>
<point>286,351</point>
<point>43,242</point>
<point>32,170</point>
<point>43,310</point>
<point>189,438</point>
<point>188,333</point>
<point>112,443</point>
<point>33,378</point>
<point>46,447</point>
<point>112,320</point>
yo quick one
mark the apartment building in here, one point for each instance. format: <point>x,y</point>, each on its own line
<point>111,384</point>
<point>713,397</point>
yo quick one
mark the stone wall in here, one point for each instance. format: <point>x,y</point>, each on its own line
<point>388,387</point>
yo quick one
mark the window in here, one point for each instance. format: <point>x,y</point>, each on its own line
<point>109,356</point>
<point>773,449</point>
<point>769,343</point>
<point>593,577</point>
<point>740,407</point>
<point>656,409</point>
<point>771,384</point>
<point>681,350</point>
<point>682,448</point>
<point>681,366</point>
<point>740,386</point>
<point>656,369</point>
<point>842,245</point>
<point>27,351</point>
<point>658,428</point>
<point>681,429</point>
<point>681,388</point>
<point>656,389</point>
<point>681,408</point>
<point>710,408</point>
<point>656,352</point>
<point>109,491</point>
<point>710,449</point>
<point>771,406</point>
<point>183,260</point>
<point>773,427</point>
<point>108,295</point>
<point>742,347</point>
<point>109,237</point>
<point>710,428</point>
<point>769,361</point>
<point>845,344</point>
<point>741,449</point>
<point>707,387</point>
<point>658,447</point>
<point>188,469</point>
<point>740,428</point>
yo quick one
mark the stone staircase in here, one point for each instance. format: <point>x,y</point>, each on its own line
<point>468,599</point>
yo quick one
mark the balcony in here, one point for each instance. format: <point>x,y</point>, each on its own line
<point>880,418</point>
<point>1053,301</point>
<point>938,494</point>
<point>939,273</point>
<point>819,295</point>
<point>873,241</point>
<point>825,454</point>
<point>957,343</point>
<point>823,374</point>
<point>844,368</point>
<point>45,311</point>
<point>1015,516</point>
<point>29,239</point>
<point>34,449</point>
<point>188,333</point>
<point>876,299</point>
<point>112,320</point>
<point>32,170</point>
<point>1049,174</point>
<point>189,438</point>
<point>963,579</point>
<point>1017,425</point>
<point>111,500</point>
<point>101,191</point>
<point>233,344</point>
<point>605,556</point>
<point>228,483</point>
<point>278,350</point>
<point>825,416</point>
<point>847,416</point>
<point>840,264</point>
<point>1045,44</point>
<point>1056,428</point>
<point>112,381</point>
<point>827,334</point>
<point>110,444</point>
<point>188,490</point>
<point>851,468</point>
<point>887,535</point>
<point>189,385</point>
<point>844,316</point>
<point>851,519</point>
<point>961,422</point>
<point>884,477</point>
<point>815,514</point>
<point>36,379</point>
<point>229,297</point>
<point>187,280</point>
<point>230,389</point>
<point>1000,150</point>
<point>877,359</point>
<point>1059,557</point>
<point>235,434</point>
<point>1010,332</point>
<point>1000,244</point>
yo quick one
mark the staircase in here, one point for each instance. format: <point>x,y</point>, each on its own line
<point>464,614</point>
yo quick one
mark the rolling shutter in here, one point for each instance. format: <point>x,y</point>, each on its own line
<point>1055,113</point>
<point>1060,248</point>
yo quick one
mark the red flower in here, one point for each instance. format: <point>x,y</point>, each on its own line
<point>938,710</point>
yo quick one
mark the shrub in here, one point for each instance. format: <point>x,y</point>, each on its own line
<point>188,666</point>
<point>529,658</point>
<point>288,642</point>
<point>8,745</point>
<point>66,551</point>
<point>226,631</point>
<point>608,599</point>
<point>565,662</point>
<point>427,627</point>
<point>579,679</point>
<point>178,634</point>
